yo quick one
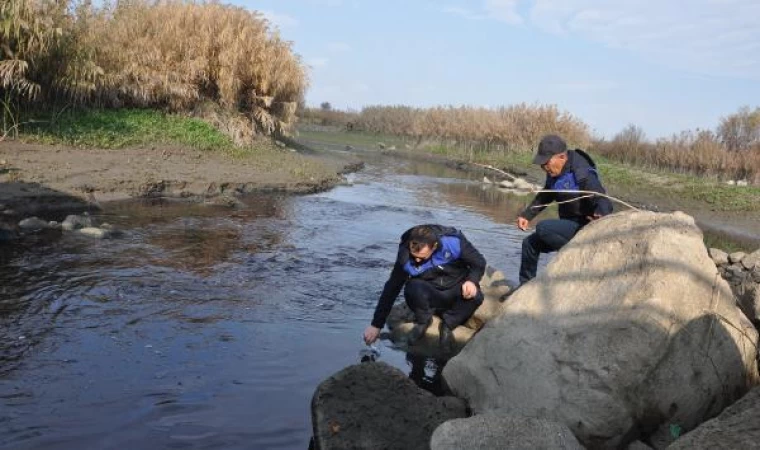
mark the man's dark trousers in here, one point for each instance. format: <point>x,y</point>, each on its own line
<point>425,300</point>
<point>550,236</point>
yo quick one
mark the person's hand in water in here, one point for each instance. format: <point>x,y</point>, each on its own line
<point>469,290</point>
<point>371,334</point>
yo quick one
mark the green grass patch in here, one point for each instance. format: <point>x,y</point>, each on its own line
<point>359,139</point>
<point>125,128</point>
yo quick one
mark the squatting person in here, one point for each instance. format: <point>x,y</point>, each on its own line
<point>440,271</point>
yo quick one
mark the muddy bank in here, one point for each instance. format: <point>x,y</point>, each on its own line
<point>41,179</point>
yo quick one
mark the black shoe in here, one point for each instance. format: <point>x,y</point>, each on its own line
<point>418,330</point>
<point>446,337</point>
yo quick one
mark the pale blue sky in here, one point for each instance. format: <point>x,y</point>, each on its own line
<point>665,65</point>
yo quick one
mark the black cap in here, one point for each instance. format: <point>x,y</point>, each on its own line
<point>550,145</point>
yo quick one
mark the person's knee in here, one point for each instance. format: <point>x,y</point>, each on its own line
<point>414,291</point>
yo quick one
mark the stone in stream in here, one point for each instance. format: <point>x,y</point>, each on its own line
<point>372,405</point>
<point>33,224</point>
<point>97,233</point>
<point>628,330</point>
<point>75,222</point>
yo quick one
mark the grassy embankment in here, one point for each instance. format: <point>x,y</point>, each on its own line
<point>125,128</point>
<point>629,182</point>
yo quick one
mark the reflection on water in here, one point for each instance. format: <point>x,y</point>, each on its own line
<point>211,327</point>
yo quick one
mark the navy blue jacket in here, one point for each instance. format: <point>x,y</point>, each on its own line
<point>579,173</point>
<point>454,261</point>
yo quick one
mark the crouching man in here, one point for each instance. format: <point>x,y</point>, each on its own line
<point>440,271</point>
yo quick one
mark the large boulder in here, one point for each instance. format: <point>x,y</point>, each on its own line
<point>491,431</point>
<point>400,321</point>
<point>372,405</point>
<point>629,330</point>
<point>735,428</point>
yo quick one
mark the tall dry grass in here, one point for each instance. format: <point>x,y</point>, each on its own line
<point>504,129</point>
<point>732,151</point>
<point>174,55</point>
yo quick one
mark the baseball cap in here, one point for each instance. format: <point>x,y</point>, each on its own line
<point>550,145</point>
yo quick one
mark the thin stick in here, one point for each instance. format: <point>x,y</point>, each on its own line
<point>592,193</point>
<point>498,170</point>
<point>564,201</point>
<point>587,192</point>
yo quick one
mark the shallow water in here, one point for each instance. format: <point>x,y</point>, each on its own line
<point>207,327</point>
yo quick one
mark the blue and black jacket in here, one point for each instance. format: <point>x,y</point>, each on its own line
<point>454,261</point>
<point>579,173</point>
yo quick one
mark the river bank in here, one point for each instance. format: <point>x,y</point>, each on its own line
<point>45,180</point>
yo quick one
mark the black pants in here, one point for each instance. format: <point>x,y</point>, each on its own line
<point>425,300</point>
<point>550,236</point>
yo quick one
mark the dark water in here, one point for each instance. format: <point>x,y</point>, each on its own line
<point>211,328</point>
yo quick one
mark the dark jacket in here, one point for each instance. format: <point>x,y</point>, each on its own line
<point>579,173</point>
<point>454,261</point>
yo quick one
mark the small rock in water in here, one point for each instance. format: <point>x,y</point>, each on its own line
<point>32,223</point>
<point>74,222</point>
<point>506,184</point>
<point>521,184</point>
<point>97,233</point>
<point>486,180</point>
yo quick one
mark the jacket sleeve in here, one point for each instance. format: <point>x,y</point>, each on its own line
<point>474,259</point>
<point>390,291</point>
<point>590,182</point>
<point>542,198</point>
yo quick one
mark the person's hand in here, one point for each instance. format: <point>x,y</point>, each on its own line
<point>593,217</point>
<point>522,223</point>
<point>469,290</point>
<point>371,334</point>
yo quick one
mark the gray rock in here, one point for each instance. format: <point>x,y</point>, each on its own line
<point>749,301</point>
<point>735,269</point>
<point>506,184</point>
<point>738,427</point>
<point>32,223</point>
<point>375,406</point>
<point>495,431</point>
<point>629,327</point>
<point>93,232</point>
<point>736,257</point>
<point>718,256</point>
<point>53,225</point>
<point>74,222</point>
<point>486,180</point>
<point>638,445</point>
<point>751,261</point>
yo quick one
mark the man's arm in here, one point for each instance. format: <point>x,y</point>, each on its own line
<point>539,203</point>
<point>390,291</point>
<point>474,259</point>
<point>602,205</point>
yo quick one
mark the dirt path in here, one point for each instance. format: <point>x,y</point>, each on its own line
<point>35,179</point>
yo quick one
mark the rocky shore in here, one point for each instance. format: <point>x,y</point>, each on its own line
<point>630,339</point>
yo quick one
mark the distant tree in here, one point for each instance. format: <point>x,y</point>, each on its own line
<point>325,106</point>
<point>741,130</point>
